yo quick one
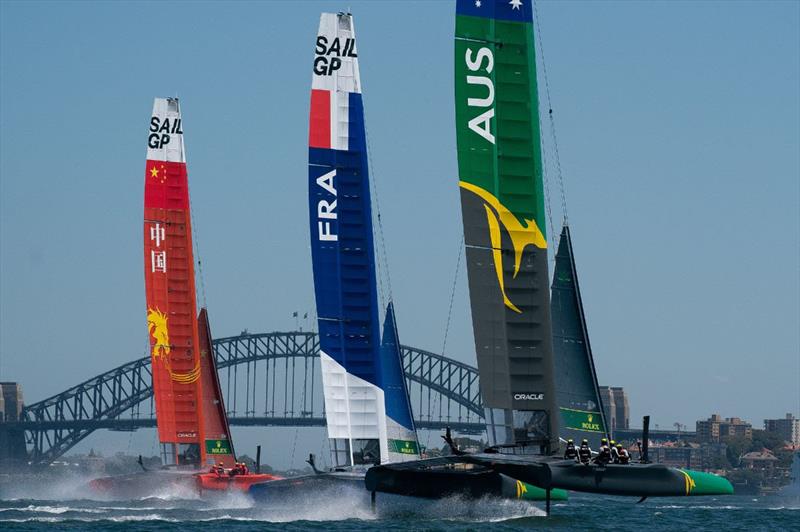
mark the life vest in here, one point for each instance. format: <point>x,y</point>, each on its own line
<point>604,456</point>
<point>585,454</point>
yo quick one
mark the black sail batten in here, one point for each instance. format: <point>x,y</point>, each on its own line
<point>578,394</point>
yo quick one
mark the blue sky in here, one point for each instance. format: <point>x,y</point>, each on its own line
<point>679,134</point>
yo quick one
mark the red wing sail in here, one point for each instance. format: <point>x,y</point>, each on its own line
<point>170,290</point>
<point>218,443</point>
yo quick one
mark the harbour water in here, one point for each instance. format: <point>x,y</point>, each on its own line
<point>58,506</point>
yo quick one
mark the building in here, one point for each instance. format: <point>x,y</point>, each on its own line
<point>715,429</point>
<point>787,428</point>
<point>12,439</point>
<point>707,456</point>
<point>615,407</point>
<point>675,454</point>
<point>763,459</point>
<point>11,400</point>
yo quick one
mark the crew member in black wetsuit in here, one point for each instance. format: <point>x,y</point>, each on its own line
<point>585,452</point>
<point>624,455</point>
<point>571,453</point>
<point>614,454</point>
<point>604,454</point>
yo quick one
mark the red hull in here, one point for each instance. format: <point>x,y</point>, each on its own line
<point>214,482</point>
<point>150,483</point>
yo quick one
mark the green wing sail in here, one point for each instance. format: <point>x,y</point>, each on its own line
<point>500,177</point>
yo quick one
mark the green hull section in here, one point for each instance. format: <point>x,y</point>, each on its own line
<point>699,483</point>
<point>534,493</point>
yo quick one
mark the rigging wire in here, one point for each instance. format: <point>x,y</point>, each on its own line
<point>296,429</point>
<point>383,262</point>
<point>562,186</point>
<point>199,275</point>
<point>547,202</point>
<point>436,398</point>
<point>453,293</point>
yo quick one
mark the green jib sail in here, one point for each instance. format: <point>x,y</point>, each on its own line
<point>500,176</point>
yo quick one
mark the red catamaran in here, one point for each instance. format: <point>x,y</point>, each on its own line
<point>195,443</point>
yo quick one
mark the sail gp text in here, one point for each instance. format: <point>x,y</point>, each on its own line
<point>160,131</point>
<point>327,57</point>
<point>326,210</point>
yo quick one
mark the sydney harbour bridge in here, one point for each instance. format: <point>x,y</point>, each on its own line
<point>269,379</point>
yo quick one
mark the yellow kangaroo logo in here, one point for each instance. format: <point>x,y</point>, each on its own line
<point>157,325</point>
<point>522,489</point>
<point>688,481</point>
<point>521,236</point>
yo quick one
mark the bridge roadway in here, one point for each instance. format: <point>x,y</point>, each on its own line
<point>268,379</point>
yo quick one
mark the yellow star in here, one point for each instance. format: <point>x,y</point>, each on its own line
<point>154,172</point>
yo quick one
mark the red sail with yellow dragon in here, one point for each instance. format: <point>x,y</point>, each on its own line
<point>193,428</point>
<point>195,444</point>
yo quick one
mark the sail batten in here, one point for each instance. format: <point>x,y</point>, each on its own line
<point>357,361</point>
<point>580,405</point>
<point>502,201</point>
<point>191,421</point>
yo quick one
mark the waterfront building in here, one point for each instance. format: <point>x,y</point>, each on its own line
<point>763,459</point>
<point>716,429</point>
<point>787,428</point>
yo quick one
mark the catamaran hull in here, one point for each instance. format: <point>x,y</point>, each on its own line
<point>288,490</point>
<point>437,484</point>
<point>427,485</point>
<point>641,480</point>
<point>143,484</point>
<point>214,482</point>
<point>433,478</point>
<point>156,483</point>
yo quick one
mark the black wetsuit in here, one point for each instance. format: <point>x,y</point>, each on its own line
<point>614,455</point>
<point>624,457</point>
<point>603,456</point>
<point>570,453</point>
<point>585,454</point>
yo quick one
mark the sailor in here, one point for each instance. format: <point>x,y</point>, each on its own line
<point>604,454</point>
<point>624,456</point>
<point>244,469</point>
<point>585,452</point>
<point>219,469</point>
<point>571,453</point>
<point>614,455</point>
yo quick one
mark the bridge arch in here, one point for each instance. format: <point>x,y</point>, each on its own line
<point>268,379</point>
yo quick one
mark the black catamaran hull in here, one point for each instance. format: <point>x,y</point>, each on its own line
<point>474,483</point>
<point>443,477</point>
<point>641,480</point>
<point>289,489</point>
